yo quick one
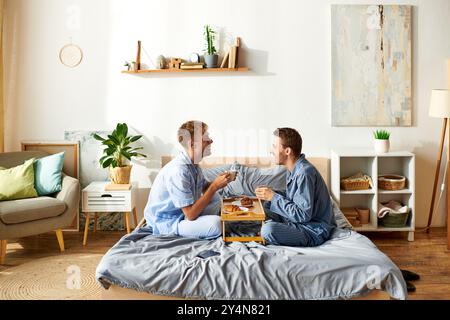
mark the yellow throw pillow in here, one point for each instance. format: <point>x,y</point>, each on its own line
<point>18,182</point>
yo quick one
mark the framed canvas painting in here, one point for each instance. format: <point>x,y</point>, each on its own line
<point>371,65</point>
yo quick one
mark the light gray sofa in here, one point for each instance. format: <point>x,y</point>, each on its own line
<point>28,217</point>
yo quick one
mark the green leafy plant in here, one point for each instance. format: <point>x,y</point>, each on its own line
<point>210,36</point>
<point>381,134</point>
<point>118,147</point>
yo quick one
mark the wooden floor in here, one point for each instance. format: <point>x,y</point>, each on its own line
<point>427,255</point>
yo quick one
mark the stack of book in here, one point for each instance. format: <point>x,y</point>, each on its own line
<point>191,65</point>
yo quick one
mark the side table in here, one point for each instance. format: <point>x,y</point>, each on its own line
<point>96,200</point>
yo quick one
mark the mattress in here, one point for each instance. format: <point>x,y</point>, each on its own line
<point>348,265</point>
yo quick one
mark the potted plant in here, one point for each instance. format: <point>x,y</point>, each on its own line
<point>131,66</point>
<point>118,153</point>
<point>381,141</point>
<point>211,56</point>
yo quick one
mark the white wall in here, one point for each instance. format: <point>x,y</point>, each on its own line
<point>286,44</point>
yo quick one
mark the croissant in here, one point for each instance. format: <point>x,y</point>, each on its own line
<point>231,208</point>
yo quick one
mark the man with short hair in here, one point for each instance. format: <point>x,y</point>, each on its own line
<point>304,216</point>
<point>180,195</point>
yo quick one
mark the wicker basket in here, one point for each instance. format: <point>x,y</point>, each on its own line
<point>356,182</point>
<point>391,182</point>
<point>394,220</point>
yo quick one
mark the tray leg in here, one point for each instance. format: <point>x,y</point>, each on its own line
<point>223,230</point>
<point>263,240</point>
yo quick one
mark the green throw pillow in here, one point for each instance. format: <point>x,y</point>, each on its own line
<point>18,182</point>
<point>48,174</point>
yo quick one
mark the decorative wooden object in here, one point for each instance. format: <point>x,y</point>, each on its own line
<point>233,54</point>
<point>138,58</point>
<point>224,61</point>
<point>175,63</point>
<point>236,56</point>
<point>232,57</point>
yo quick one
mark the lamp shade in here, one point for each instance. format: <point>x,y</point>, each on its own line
<point>440,104</point>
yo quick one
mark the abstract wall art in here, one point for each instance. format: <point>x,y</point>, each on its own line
<point>371,65</point>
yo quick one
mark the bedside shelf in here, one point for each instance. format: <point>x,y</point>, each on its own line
<point>405,228</point>
<point>403,191</point>
<point>366,227</point>
<point>348,162</point>
<point>369,191</point>
<point>371,228</point>
<point>242,69</point>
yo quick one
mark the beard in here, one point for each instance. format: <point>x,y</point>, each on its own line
<point>279,159</point>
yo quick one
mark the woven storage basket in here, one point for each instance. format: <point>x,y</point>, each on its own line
<point>391,182</point>
<point>356,182</point>
<point>394,220</point>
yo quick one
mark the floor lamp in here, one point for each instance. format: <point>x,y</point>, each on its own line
<point>440,108</point>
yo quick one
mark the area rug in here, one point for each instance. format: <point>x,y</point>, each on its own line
<point>62,277</point>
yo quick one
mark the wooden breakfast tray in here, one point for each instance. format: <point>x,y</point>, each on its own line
<point>255,213</point>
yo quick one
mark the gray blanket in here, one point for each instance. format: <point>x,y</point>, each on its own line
<point>346,266</point>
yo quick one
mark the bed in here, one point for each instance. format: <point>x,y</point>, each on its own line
<point>348,266</point>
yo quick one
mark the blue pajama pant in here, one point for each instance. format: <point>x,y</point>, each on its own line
<point>208,224</point>
<point>279,231</point>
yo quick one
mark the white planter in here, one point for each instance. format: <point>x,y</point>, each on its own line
<point>381,146</point>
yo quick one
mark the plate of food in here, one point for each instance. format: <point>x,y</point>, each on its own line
<point>232,208</point>
<point>244,202</point>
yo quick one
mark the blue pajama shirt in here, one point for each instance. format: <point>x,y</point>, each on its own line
<point>180,184</point>
<point>302,217</point>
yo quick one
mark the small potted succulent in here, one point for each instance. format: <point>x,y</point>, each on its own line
<point>211,56</point>
<point>118,153</point>
<point>132,66</point>
<point>381,141</point>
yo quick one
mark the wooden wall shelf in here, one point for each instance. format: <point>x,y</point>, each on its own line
<point>243,69</point>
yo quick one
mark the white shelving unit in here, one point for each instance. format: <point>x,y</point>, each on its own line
<point>348,162</point>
